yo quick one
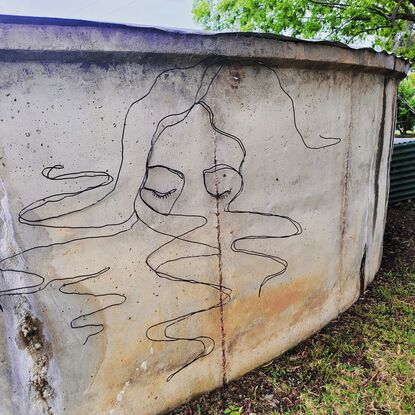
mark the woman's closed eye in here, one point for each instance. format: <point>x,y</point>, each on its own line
<point>162,195</point>
<point>161,188</point>
<point>222,181</point>
<point>224,194</point>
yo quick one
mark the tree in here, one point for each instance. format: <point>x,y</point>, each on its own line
<point>388,24</point>
<point>406,105</point>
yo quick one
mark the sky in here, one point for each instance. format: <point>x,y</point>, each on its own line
<point>164,13</point>
<point>161,13</point>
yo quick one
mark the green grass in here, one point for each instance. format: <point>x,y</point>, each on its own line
<point>365,364</point>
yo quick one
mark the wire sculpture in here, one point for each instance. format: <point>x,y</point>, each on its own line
<point>223,182</point>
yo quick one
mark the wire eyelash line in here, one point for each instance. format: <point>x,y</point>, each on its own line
<point>167,330</point>
<point>224,194</point>
<point>161,195</point>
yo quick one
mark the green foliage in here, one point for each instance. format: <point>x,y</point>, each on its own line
<point>388,24</point>
<point>233,410</point>
<point>406,105</point>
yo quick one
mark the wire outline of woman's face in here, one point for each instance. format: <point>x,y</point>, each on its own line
<point>163,185</point>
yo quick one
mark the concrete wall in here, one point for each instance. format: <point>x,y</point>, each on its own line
<point>177,209</point>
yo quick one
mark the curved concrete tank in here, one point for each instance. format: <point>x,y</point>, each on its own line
<point>178,208</point>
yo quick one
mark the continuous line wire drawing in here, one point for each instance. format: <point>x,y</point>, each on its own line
<point>160,202</point>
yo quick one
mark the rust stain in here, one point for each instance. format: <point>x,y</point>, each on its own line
<point>312,305</point>
<point>161,362</point>
<point>125,359</point>
<point>280,307</point>
<point>222,295</point>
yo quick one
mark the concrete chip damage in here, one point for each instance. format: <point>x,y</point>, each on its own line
<point>31,338</point>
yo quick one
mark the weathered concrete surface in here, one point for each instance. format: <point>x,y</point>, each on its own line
<point>177,209</point>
